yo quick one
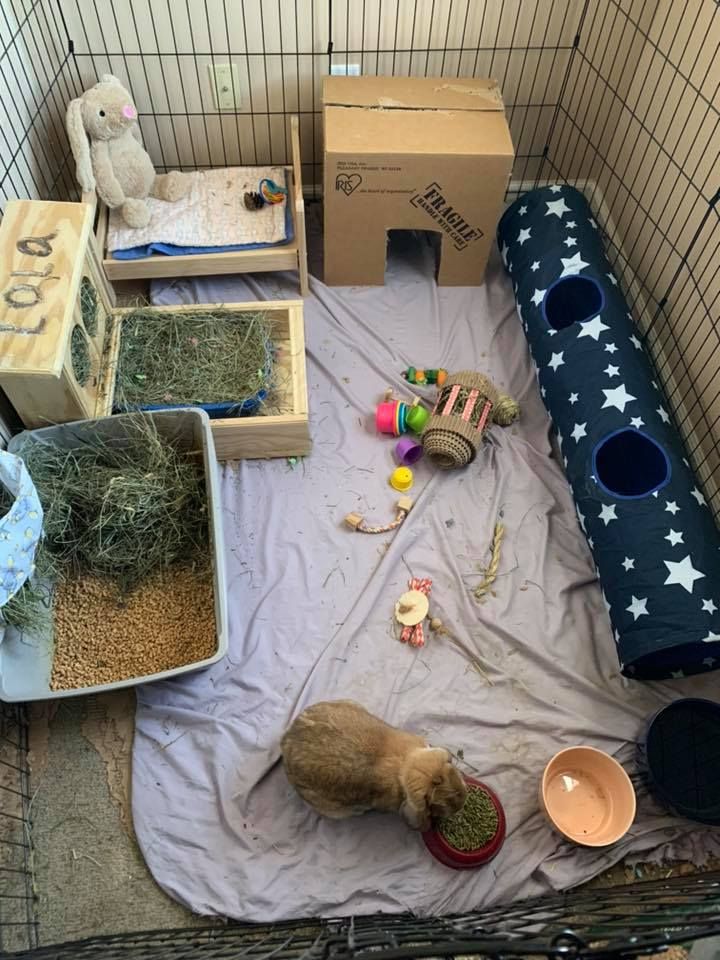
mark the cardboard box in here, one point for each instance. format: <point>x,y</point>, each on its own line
<point>404,153</point>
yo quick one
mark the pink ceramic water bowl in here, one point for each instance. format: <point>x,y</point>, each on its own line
<point>587,796</point>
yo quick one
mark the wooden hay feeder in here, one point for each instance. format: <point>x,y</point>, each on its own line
<point>467,403</point>
<point>60,335</point>
<point>285,433</point>
<point>53,309</point>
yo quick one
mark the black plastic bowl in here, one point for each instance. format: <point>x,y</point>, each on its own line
<point>681,758</point>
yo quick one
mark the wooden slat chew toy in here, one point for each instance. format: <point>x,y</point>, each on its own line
<point>356,522</point>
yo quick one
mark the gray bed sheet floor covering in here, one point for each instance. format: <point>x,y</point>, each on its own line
<point>311,608</point>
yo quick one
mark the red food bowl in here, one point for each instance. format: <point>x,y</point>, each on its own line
<point>467,859</point>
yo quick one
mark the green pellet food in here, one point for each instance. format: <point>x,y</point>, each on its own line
<point>473,826</point>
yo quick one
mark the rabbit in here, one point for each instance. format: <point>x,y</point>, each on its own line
<point>114,161</point>
<point>344,761</point>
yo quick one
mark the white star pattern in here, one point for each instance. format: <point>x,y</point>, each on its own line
<point>637,422</point>
<point>592,222</point>
<point>556,360</point>
<point>674,537</point>
<point>638,608</point>
<point>635,342</point>
<point>555,188</point>
<point>607,513</point>
<point>612,371</point>
<point>611,278</point>
<point>535,265</point>
<point>522,211</point>
<point>537,297</point>
<point>611,348</point>
<point>711,637</point>
<point>708,606</point>
<point>663,415</point>
<point>558,207</point>
<point>579,431</point>
<point>592,328</point>
<point>591,542</point>
<point>698,496</point>
<point>504,253</point>
<point>573,398</point>
<point>570,242</point>
<point>682,573</point>
<point>709,661</point>
<point>677,674</point>
<point>671,507</point>
<point>629,563</point>
<point>618,397</point>
<point>543,391</point>
<point>573,265</point>
<point>571,224</point>
<point>524,235</point>
<point>551,332</point>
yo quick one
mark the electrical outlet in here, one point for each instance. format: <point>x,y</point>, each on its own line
<point>225,85</point>
<point>345,69</point>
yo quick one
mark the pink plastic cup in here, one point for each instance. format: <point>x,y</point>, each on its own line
<point>385,416</point>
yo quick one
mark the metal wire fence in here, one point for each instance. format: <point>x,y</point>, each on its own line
<point>619,97</point>
<point>617,922</point>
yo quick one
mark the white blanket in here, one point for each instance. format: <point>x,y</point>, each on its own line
<point>213,214</point>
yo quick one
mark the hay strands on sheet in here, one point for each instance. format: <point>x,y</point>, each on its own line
<point>413,607</point>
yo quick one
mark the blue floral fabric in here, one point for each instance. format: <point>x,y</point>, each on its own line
<point>20,528</point>
<point>653,538</point>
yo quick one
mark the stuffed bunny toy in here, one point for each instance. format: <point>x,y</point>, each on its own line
<point>114,162</point>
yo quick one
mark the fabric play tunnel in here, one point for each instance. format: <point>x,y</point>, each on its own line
<point>653,538</point>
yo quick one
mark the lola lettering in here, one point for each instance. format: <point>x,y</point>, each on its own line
<point>23,295</point>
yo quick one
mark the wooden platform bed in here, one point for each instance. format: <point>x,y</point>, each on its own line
<point>288,256</point>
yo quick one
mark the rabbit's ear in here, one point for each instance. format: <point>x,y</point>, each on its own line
<point>79,145</point>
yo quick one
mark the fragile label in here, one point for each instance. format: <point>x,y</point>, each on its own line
<point>433,202</point>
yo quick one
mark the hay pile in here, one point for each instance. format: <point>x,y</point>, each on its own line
<point>80,355</point>
<point>89,306</point>
<point>192,358</point>
<point>120,509</point>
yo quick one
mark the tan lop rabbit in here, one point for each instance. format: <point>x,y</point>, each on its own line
<point>343,761</point>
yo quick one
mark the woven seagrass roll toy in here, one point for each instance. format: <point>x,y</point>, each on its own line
<point>466,404</point>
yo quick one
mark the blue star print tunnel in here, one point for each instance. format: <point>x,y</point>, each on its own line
<point>652,535</point>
